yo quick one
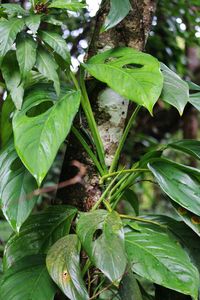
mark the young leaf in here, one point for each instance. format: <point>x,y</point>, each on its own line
<point>38,233</point>
<point>13,9</point>
<point>119,10</point>
<point>175,90</point>
<point>33,22</point>
<point>132,74</point>
<point>49,128</point>
<point>6,123</point>
<point>57,43</point>
<point>16,186</point>
<point>26,54</point>
<point>191,147</point>
<point>155,254</point>
<point>195,100</point>
<point>12,77</point>
<point>178,182</point>
<point>48,67</point>
<point>63,264</point>
<point>73,5</point>
<point>96,230</point>
<point>8,32</point>
<point>28,279</point>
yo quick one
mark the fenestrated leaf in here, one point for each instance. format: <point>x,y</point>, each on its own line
<point>175,90</point>
<point>6,122</point>
<point>38,233</point>
<point>8,32</point>
<point>12,77</point>
<point>191,147</point>
<point>156,255</point>
<point>16,186</point>
<point>48,67</point>
<point>73,5</point>
<point>102,238</point>
<point>195,100</point>
<point>57,43</point>
<point>42,134</point>
<point>119,10</point>
<point>26,53</point>
<point>28,279</point>
<point>63,264</point>
<point>179,182</point>
<point>132,74</point>
<point>33,22</point>
<point>13,9</point>
<point>129,288</point>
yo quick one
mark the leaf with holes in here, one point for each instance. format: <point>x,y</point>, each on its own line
<point>195,100</point>
<point>39,233</point>
<point>26,53</point>
<point>175,90</point>
<point>73,5</point>
<point>16,186</point>
<point>180,183</point>
<point>33,22</point>
<point>28,279</point>
<point>132,74</point>
<point>8,32</point>
<point>48,67</point>
<point>119,10</point>
<point>41,127</point>
<point>12,77</point>
<point>191,147</point>
<point>156,255</point>
<point>63,264</point>
<point>96,230</point>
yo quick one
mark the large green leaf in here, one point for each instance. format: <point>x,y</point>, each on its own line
<point>129,288</point>
<point>102,237</point>
<point>132,74</point>
<point>119,10</point>
<point>48,67</point>
<point>42,135</point>
<point>12,77</point>
<point>13,9</point>
<point>33,22</point>
<point>195,100</point>
<point>155,254</point>
<point>6,122</point>
<point>8,32</point>
<point>73,5</point>
<point>16,186</point>
<point>5,232</point>
<point>57,43</point>
<point>38,233</point>
<point>191,147</point>
<point>175,90</point>
<point>26,53</point>
<point>28,279</point>
<point>63,264</point>
<point>178,182</point>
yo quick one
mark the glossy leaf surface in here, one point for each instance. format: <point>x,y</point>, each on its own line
<point>129,288</point>
<point>13,9</point>
<point>132,74</point>
<point>63,264</point>
<point>33,22</point>
<point>73,5</point>
<point>195,100</point>
<point>191,147</point>
<point>102,237</point>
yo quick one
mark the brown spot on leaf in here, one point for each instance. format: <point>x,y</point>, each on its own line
<point>195,220</point>
<point>66,276</point>
<point>182,211</point>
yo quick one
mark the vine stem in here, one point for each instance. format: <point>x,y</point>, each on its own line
<point>123,139</point>
<point>141,220</point>
<point>106,176</point>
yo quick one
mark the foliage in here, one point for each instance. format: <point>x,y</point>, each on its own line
<point>85,254</point>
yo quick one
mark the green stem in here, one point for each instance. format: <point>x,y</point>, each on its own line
<point>141,220</point>
<point>106,176</point>
<point>123,139</point>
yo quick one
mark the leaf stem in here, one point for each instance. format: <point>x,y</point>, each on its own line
<point>123,139</point>
<point>141,220</point>
<point>106,176</point>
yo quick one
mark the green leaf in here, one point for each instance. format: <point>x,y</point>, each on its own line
<point>129,288</point>
<point>119,10</point>
<point>49,128</point>
<point>26,53</point>
<point>102,238</point>
<point>52,20</point>
<point>8,32</point>
<point>155,254</point>
<point>5,232</point>
<point>28,279</point>
<point>12,77</point>
<point>39,233</point>
<point>33,22</point>
<point>73,5</point>
<point>48,67</point>
<point>178,182</point>
<point>191,147</point>
<point>16,186</point>
<point>195,100</point>
<point>175,90</point>
<point>63,264</point>
<point>132,74</point>
<point>193,86</point>
<point>57,43</point>
<point>13,9</point>
<point>131,197</point>
<point>6,122</point>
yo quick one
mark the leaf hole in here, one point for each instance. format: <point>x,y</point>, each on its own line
<point>16,164</point>
<point>39,109</point>
<point>132,66</point>
<point>97,234</point>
